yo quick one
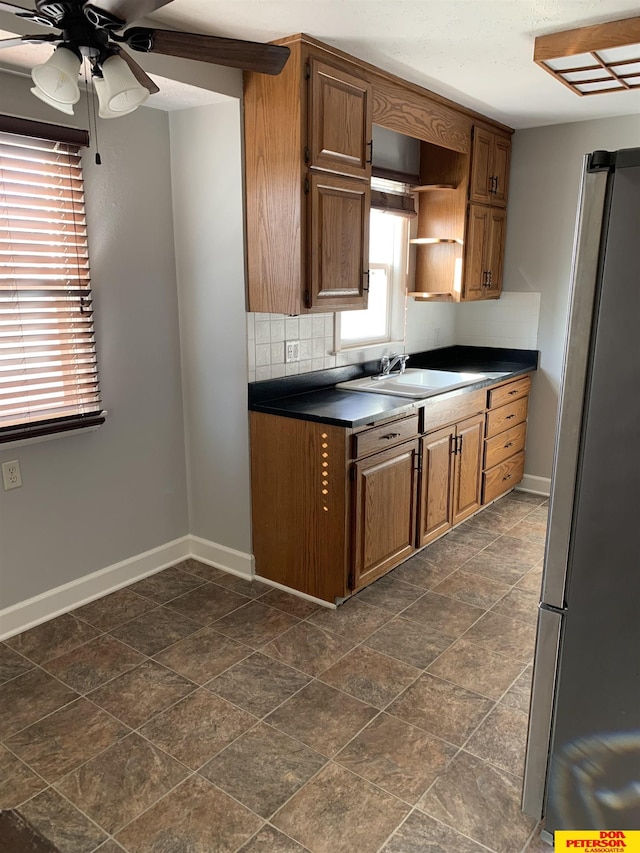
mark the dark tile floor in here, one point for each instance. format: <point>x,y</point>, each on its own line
<point>195,712</point>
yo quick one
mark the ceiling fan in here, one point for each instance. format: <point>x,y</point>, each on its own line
<point>98,32</point>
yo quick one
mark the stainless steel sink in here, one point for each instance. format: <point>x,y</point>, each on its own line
<point>414,382</point>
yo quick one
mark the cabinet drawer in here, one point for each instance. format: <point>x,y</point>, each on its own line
<point>387,435</point>
<point>498,420</point>
<point>508,393</point>
<point>502,477</point>
<point>502,446</point>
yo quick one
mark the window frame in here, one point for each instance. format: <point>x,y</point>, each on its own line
<point>15,431</point>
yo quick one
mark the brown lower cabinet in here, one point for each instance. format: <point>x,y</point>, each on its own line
<point>334,508</point>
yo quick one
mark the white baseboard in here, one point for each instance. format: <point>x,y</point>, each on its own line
<point>536,485</point>
<point>227,559</point>
<point>330,605</point>
<point>31,612</point>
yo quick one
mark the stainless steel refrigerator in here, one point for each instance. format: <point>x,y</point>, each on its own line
<point>583,753</point>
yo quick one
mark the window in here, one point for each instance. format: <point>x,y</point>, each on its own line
<point>383,320</point>
<point>48,373</point>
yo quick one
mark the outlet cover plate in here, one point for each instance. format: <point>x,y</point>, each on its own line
<point>11,476</point>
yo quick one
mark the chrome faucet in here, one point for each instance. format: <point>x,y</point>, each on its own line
<point>387,363</point>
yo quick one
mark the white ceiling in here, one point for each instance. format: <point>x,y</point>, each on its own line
<point>477,52</point>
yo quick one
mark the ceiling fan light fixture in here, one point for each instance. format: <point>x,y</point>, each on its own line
<point>57,78</point>
<point>121,92</point>
<point>57,105</point>
<point>100,88</point>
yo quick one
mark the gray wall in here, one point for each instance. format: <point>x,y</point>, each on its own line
<point>206,167</point>
<point>546,168</point>
<point>92,500</point>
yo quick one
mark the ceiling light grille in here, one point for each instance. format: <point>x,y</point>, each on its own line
<point>593,60</point>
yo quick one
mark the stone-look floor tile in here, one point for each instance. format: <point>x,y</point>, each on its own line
<point>110,847</point>
<point>443,614</point>
<point>472,589</point>
<point>503,635</point>
<point>415,644</point>
<point>119,784</point>
<point>502,739</point>
<point>269,840</point>
<point>308,648</point>
<point>519,694</point>
<point>258,684</point>
<point>113,610</point>
<point>203,655</point>
<point>417,571</point>
<point>263,769</point>
<point>337,812</point>
<point>398,757</point>
<point>448,554</point>
<point>517,553</point>
<point>243,586</point>
<point>477,539</point>
<point>155,630</point>
<point>197,728</point>
<point>445,710</point>
<point>540,515</point>
<point>322,717</point>
<point>29,697</point>
<point>493,520</point>
<point>207,603</point>
<point>480,801</point>
<point>142,693</point>
<point>195,818</point>
<point>52,638</point>
<point>370,676</point>
<point>164,586</point>
<point>65,739</point>
<point>354,619</point>
<point>61,823</point>
<point>532,531</point>
<point>255,624</point>
<point>519,604</point>
<point>537,845</point>
<point>17,782</point>
<point>497,568</point>
<point>391,594</point>
<point>421,834</point>
<point>89,666</point>
<point>476,668</point>
<point>12,664</point>
<point>291,604</point>
<point>532,581</point>
<point>519,497</point>
<point>200,570</point>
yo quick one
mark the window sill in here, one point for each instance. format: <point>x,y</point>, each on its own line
<point>64,432</point>
<point>360,347</point>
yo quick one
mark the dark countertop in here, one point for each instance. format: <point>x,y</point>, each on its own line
<point>314,397</point>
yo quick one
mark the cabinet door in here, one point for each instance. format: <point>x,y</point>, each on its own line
<point>435,485</point>
<point>500,170</point>
<point>467,468</point>
<point>481,156</point>
<point>340,128</point>
<point>384,511</point>
<point>476,270</point>
<point>494,251</point>
<point>338,242</point>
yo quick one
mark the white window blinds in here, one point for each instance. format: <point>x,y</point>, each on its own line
<point>48,373</point>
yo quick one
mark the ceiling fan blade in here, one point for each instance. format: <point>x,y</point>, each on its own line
<point>30,15</point>
<point>250,55</point>
<point>139,73</point>
<point>14,42</point>
<point>130,10</point>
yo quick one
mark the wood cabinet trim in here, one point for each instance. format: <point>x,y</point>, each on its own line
<point>385,435</point>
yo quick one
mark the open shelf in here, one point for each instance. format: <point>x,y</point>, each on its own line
<point>426,241</point>
<point>425,188</point>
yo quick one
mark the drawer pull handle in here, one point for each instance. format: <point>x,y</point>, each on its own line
<point>511,393</point>
<point>390,436</point>
<point>508,444</point>
<point>508,477</point>
<point>509,417</point>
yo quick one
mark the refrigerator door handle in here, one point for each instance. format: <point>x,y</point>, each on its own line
<point>584,275</point>
<point>541,712</point>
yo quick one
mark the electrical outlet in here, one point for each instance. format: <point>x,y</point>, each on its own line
<point>291,351</point>
<point>11,476</point>
<point>437,335</point>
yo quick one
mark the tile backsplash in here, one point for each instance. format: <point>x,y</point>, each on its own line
<point>267,334</point>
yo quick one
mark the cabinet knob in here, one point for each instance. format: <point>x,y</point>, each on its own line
<point>509,417</point>
<point>508,444</point>
<point>508,477</point>
<point>390,435</point>
<point>511,393</point>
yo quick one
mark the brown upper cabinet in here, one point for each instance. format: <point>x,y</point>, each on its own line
<point>490,156</point>
<point>308,151</point>
<point>484,252</point>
